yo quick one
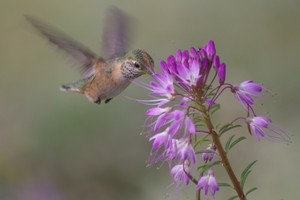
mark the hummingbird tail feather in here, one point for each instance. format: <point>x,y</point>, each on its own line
<point>69,87</point>
<point>77,86</point>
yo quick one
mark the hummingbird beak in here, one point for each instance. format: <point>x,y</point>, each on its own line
<point>150,71</point>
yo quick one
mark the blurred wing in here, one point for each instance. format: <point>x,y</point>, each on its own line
<point>84,57</point>
<point>115,39</point>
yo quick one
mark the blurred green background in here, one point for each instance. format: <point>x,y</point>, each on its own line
<point>57,146</point>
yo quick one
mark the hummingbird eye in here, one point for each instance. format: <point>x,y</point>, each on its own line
<point>136,65</point>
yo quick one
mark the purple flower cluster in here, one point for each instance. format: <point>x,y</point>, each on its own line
<point>171,126</point>
<point>193,79</point>
<point>259,126</point>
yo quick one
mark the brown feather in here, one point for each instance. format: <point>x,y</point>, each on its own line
<point>115,38</point>
<point>105,84</point>
<point>84,57</point>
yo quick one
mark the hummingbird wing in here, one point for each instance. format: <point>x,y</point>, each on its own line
<point>115,38</point>
<point>84,57</point>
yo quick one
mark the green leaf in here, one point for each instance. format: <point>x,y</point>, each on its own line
<point>236,142</point>
<point>197,143</point>
<point>234,197</point>
<point>215,108</point>
<point>216,163</point>
<point>201,140</point>
<point>227,145</point>
<point>205,167</point>
<point>251,190</point>
<point>248,168</point>
<point>192,112</point>
<point>224,127</point>
<point>246,172</point>
<point>243,179</point>
<point>199,123</point>
<point>228,127</point>
<point>224,185</point>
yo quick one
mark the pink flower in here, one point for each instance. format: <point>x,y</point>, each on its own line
<point>160,139</point>
<point>261,126</point>
<point>209,154</point>
<point>245,91</point>
<point>179,173</point>
<point>208,183</point>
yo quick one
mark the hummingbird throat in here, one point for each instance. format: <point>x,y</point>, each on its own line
<point>128,71</point>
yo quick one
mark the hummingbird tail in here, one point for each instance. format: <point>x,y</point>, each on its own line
<point>77,86</point>
<point>69,87</point>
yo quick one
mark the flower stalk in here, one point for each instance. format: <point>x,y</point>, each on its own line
<point>221,152</point>
<point>198,194</point>
<point>224,158</point>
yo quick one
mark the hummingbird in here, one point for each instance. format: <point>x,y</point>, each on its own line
<point>106,76</point>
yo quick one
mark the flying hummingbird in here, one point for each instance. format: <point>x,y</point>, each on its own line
<point>107,76</point>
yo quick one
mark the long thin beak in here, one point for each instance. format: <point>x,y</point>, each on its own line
<point>150,71</point>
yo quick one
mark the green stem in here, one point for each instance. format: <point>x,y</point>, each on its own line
<point>222,153</point>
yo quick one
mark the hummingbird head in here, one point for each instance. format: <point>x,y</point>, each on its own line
<point>138,62</point>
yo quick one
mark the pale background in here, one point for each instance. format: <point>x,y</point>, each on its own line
<point>57,146</point>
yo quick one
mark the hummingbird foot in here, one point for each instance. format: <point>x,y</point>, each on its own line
<point>98,101</point>
<point>108,100</point>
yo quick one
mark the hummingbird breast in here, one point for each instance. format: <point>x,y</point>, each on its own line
<point>107,83</point>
